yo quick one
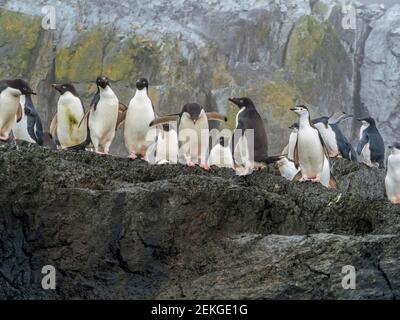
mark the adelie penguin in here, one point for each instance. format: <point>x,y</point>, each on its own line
<point>104,116</point>
<point>65,128</point>
<point>193,131</point>
<point>336,143</point>
<point>371,146</point>
<point>140,113</point>
<point>392,180</point>
<point>30,127</point>
<point>10,107</point>
<point>167,145</point>
<point>310,152</point>
<point>221,154</point>
<point>248,157</point>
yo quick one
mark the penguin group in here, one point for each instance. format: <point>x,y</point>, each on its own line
<point>185,137</point>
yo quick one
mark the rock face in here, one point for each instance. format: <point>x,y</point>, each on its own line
<point>278,52</point>
<point>117,229</point>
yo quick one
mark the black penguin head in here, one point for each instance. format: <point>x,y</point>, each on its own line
<point>224,141</point>
<point>395,147</point>
<point>102,82</point>
<point>301,110</point>
<point>339,117</point>
<point>242,102</point>
<point>142,83</point>
<point>64,88</point>
<point>368,121</point>
<point>166,127</point>
<point>21,87</point>
<point>192,111</point>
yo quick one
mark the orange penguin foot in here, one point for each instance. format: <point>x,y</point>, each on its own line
<point>133,156</point>
<point>4,138</point>
<point>316,179</point>
<point>304,179</point>
<point>205,166</point>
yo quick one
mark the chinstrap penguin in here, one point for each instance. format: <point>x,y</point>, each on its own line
<point>310,153</point>
<point>371,146</point>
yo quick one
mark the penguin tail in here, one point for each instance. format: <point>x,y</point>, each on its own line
<point>273,159</point>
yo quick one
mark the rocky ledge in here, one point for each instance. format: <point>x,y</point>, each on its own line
<point>115,229</point>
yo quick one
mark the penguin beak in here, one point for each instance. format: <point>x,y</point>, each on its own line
<point>56,86</point>
<point>234,101</point>
<point>390,147</point>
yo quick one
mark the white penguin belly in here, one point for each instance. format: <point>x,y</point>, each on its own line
<point>221,157</point>
<point>20,130</point>
<point>103,121</point>
<point>69,115</point>
<point>8,109</point>
<point>392,180</point>
<point>195,139</point>
<point>288,170</point>
<point>138,118</point>
<point>311,153</point>
<point>366,154</point>
<point>167,147</point>
<point>292,145</point>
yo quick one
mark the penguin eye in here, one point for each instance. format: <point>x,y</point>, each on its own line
<point>64,87</point>
<point>241,101</point>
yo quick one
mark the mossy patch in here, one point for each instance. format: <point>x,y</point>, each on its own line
<point>320,9</point>
<point>279,97</point>
<point>222,78</point>
<point>315,56</point>
<point>83,61</point>
<point>94,53</point>
<point>19,35</point>
<point>136,56</point>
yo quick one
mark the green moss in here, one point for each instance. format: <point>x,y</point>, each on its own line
<point>320,9</point>
<point>72,121</point>
<point>136,54</point>
<point>279,97</point>
<point>315,56</point>
<point>222,78</point>
<point>19,35</point>
<point>231,115</point>
<point>83,61</point>
<point>307,37</point>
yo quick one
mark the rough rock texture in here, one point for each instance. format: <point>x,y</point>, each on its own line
<point>278,52</point>
<point>116,228</point>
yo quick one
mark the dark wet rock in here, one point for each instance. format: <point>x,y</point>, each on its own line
<point>116,228</point>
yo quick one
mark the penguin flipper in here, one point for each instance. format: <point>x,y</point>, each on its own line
<point>19,113</point>
<point>122,109</point>
<point>216,116</point>
<point>85,117</point>
<point>163,120</point>
<point>296,159</point>
<point>361,144</point>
